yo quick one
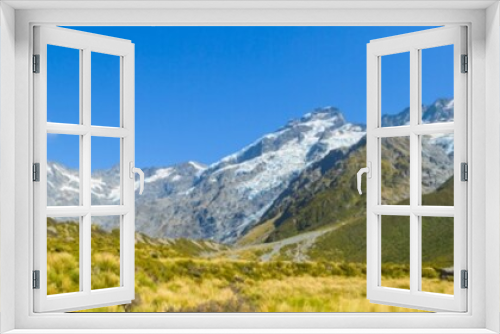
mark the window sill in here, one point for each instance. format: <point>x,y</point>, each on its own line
<point>250,331</point>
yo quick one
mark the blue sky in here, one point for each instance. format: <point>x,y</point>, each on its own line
<point>205,92</point>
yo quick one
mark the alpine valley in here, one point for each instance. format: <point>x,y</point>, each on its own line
<point>295,186</point>
<point>278,226</point>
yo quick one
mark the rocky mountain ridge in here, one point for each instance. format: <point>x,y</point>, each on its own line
<point>222,201</point>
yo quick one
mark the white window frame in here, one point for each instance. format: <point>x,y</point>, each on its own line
<point>482,19</point>
<point>413,44</point>
<point>86,44</point>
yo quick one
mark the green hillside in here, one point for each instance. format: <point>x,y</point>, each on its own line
<point>348,242</point>
<point>326,194</point>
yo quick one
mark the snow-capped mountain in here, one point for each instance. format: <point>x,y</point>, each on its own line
<point>233,193</point>
<point>284,153</point>
<point>220,201</point>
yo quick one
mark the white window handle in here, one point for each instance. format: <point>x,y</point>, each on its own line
<point>368,171</point>
<point>132,171</point>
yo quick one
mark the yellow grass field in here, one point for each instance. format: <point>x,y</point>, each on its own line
<point>176,277</point>
<point>294,294</point>
<point>300,293</point>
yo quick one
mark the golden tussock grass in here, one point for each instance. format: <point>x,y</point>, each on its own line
<point>188,283</point>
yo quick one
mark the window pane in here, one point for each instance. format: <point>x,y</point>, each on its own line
<point>63,85</point>
<point>395,169</point>
<point>437,169</point>
<point>437,254</point>
<point>395,90</point>
<point>63,255</point>
<point>105,252</point>
<point>395,252</point>
<point>63,170</point>
<point>437,86</point>
<point>105,90</point>
<point>106,189</point>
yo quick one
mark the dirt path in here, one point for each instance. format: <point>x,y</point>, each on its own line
<point>303,241</point>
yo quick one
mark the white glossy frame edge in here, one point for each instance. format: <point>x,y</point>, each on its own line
<point>85,43</point>
<point>16,302</point>
<point>413,43</point>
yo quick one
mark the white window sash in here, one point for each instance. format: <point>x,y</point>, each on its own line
<point>414,43</point>
<point>86,298</point>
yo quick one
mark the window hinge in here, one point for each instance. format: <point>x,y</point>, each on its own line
<point>36,172</point>
<point>36,63</point>
<point>36,279</point>
<point>465,279</point>
<point>464,172</point>
<point>465,64</point>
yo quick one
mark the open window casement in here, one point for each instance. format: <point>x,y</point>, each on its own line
<point>407,144</point>
<point>83,211</point>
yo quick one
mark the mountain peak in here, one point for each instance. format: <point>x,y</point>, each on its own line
<point>320,114</point>
<point>197,165</point>
<point>440,111</point>
<point>443,103</point>
<point>298,135</point>
<point>323,113</point>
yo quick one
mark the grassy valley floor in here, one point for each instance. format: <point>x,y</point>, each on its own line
<point>200,276</point>
<point>292,294</point>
